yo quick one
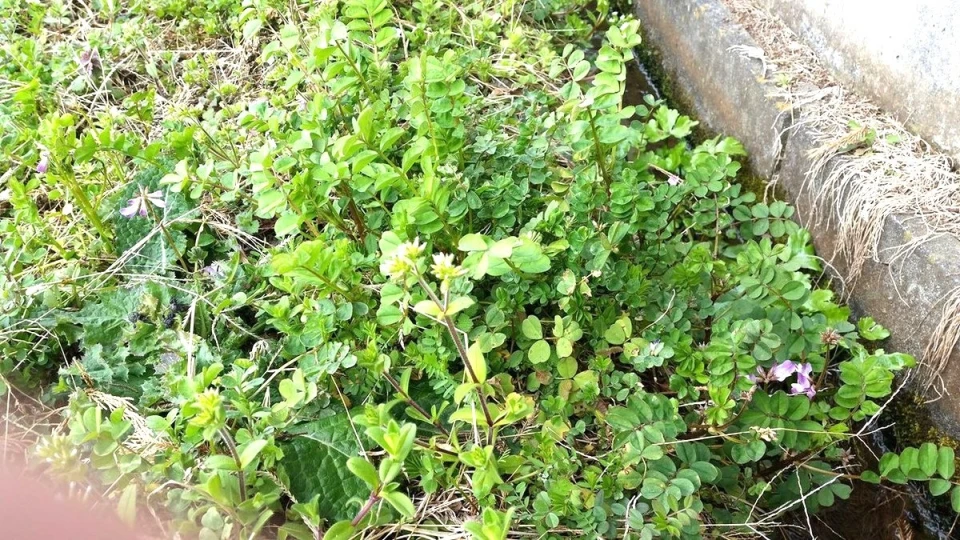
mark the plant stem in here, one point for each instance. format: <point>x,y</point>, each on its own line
<point>163,230</point>
<point>406,397</point>
<point>88,210</point>
<point>596,145</point>
<point>356,69</point>
<point>232,447</point>
<point>367,506</point>
<point>462,351</point>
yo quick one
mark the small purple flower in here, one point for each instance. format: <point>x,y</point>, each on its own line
<point>89,60</point>
<point>43,164</point>
<point>138,204</point>
<point>804,384</point>
<point>780,372</point>
<point>216,270</point>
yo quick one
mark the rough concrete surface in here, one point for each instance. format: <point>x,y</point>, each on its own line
<point>701,47</point>
<point>904,55</point>
<point>705,60</point>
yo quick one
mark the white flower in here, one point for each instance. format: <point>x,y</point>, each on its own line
<point>138,204</point>
<point>410,250</point>
<point>444,268</point>
<point>394,267</point>
<point>766,434</point>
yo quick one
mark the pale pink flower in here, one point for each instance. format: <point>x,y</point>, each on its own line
<point>43,164</point>
<point>138,204</point>
<point>804,384</point>
<point>780,372</point>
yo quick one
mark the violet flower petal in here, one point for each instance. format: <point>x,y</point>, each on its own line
<point>131,209</point>
<point>780,372</point>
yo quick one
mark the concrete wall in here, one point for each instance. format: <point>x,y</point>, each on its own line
<point>903,54</point>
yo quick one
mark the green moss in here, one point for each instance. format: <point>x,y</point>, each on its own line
<point>913,424</point>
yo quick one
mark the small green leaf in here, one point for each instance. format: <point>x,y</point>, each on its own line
<point>458,304</point>
<point>793,291</point>
<point>428,308</point>
<point>539,352</point>
<point>472,242</point>
<point>341,530</point>
<point>477,362</point>
<point>251,451</point>
<point>364,470</point>
<point>939,486</point>
<point>870,477</point>
<point>619,331</point>
<point>365,124</point>
<point>927,458</point>
<point>531,328</point>
<point>870,330</point>
<point>564,347</point>
<point>287,224</point>
<point>946,462</point>
<point>955,499</point>
<point>220,462</point>
<point>401,502</point>
<point>127,505</point>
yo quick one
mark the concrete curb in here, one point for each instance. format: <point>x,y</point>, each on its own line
<point>701,50</point>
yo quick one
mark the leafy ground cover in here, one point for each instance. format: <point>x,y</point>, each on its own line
<point>409,270</point>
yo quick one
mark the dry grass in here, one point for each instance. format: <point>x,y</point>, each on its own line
<point>866,168</point>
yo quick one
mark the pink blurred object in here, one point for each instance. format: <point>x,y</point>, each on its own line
<point>33,509</point>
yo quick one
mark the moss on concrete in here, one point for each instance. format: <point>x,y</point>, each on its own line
<point>914,426</point>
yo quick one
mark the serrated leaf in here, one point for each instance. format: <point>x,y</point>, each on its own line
<point>315,461</point>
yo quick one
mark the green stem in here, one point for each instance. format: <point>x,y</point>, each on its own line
<point>416,406</point>
<point>346,294</point>
<point>462,351</point>
<point>88,210</point>
<point>232,447</point>
<point>363,81</point>
<point>599,151</point>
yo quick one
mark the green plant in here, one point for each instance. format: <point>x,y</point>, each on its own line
<point>428,269</point>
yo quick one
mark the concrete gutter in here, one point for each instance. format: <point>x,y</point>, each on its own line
<point>700,46</point>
